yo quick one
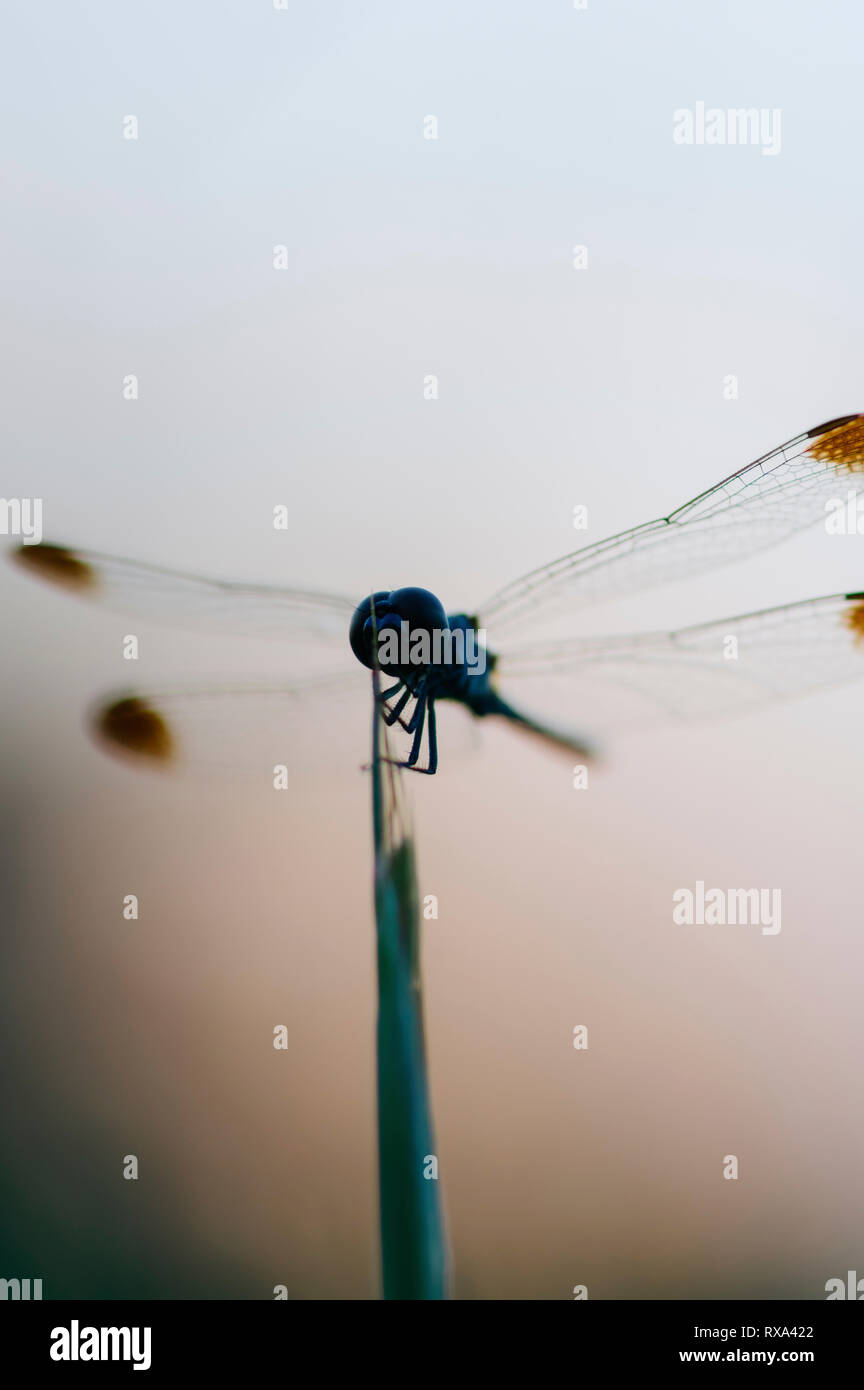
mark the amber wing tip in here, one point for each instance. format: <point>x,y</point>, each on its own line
<point>56,564</point>
<point>131,727</point>
<point>854,616</point>
<point>839,443</point>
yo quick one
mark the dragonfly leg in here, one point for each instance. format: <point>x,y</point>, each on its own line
<point>419,711</point>
<point>423,717</point>
<point>416,725</point>
<point>385,694</point>
<point>411,762</point>
<point>390,716</point>
<point>428,706</point>
<point>433,743</point>
<point>419,693</point>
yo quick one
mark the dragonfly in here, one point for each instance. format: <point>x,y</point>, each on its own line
<point>787,650</point>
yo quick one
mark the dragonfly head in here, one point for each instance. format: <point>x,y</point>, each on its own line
<point>401,629</point>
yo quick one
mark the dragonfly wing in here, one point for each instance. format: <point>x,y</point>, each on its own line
<point>709,670</point>
<point>760,505</point>
<point>249,728</point>
<point>189,600</point>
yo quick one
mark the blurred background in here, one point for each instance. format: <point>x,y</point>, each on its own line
<point>406,257</point>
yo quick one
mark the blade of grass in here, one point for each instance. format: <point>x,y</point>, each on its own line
<point>413,1255</point>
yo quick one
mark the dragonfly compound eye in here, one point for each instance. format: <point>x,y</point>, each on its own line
<point>405,623</point>
<point>361,634</point>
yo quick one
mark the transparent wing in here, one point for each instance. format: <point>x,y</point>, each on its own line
<point>189,600</point>
<point>321,722</point>
<point>760,505</point>
<point>712,669</point>
<point>248,728</point>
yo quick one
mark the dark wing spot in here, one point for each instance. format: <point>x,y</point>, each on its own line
<point>131,726</point>
<point>56,564</point>
<point>854,617</point>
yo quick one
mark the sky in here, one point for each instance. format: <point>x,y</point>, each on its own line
<point>404,258</point>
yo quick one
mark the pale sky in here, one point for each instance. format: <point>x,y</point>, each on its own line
<point>406,257</point>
